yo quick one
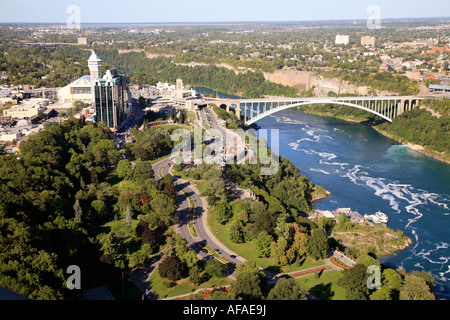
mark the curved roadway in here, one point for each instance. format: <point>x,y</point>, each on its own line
<point>205,236</point>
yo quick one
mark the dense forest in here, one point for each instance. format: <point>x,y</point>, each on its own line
<point>420,127</point>
<point>71,198</point>
<point>40,66</point>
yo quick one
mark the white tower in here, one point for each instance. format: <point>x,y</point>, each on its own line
<point>94,64</point>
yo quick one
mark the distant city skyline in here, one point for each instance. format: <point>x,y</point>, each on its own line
<point>133,11</point>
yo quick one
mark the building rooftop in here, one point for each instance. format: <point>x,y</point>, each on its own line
<point>93,57</point>
<point>99,293</point>
<point>6,294</point>
<point>84,81</point>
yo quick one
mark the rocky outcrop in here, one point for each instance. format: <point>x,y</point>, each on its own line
<point>292,78</point>
<point>305,80</point>
<point>322,86</point>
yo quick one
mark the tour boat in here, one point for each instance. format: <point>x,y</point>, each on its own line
<point>378,217</point>
<point>383,217</point>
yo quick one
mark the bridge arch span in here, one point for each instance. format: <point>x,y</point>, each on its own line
<point>284,107</point>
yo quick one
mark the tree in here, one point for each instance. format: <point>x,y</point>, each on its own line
<point>215,268</point>
<point>427,276</point>
<point>219,294</point>
<point>105,152</point>
<point>300,242</point>
<point>167,179</point>
<point>78,210</point>
<point>263,243</point>
<point>169,189</point>
<point>392,279</point>
<point>367,260</point>
<point>164,211</point>
<point>148,237</point>
<point>223,211</point>
<point>278,251</point>
<point>237,232</point>
<point>247,286</point>
<point>384,293</point>
<point>194,276</point>
<point>415,288</point>
<point>286,289</point>
<point>141,154</point>
<point>318,243</point>
<point>171,268</point>
<point>354,281</point>
<point>124,169</point>
<point>143,171</point>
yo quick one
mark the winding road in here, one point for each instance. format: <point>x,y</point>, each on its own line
<point>204,235</point>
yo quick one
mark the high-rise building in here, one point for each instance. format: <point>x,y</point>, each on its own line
<point>82,89</point>
<point>84,41</point>
<point>179,85</point>
<point>111,99</point>
<point>94,64</point>
<point>342,39</point>
<point>368,41</point>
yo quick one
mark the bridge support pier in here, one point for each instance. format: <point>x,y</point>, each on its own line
<point>238,111</point>
<point>401,107</point>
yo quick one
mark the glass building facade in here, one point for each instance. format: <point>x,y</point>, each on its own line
<point>109,97</point>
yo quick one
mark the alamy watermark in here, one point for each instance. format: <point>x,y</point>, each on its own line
<point>236,146</point>
<point>374,20</point>
<point>73,21</point>
<point>374,281</point>
<point>74,281</point>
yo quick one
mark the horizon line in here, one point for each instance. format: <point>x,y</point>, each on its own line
<point>222,22</point>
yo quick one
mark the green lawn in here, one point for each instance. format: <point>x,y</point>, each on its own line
<point>324,288</point>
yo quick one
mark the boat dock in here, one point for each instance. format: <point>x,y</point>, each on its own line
<point>353,216</point>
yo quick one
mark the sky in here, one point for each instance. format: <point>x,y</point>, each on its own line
<point>125,11</point>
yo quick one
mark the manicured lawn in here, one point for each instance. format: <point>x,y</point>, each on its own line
<point>110,224</point>
<point>303,264</point>
<point>324,288</point>
<point>165,288</point>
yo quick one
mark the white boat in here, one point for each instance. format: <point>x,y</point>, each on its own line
<point>378,217</point>
<point>383,217</point>
<point>372,218</point>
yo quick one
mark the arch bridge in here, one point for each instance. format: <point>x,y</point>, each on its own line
<point>388,107</point>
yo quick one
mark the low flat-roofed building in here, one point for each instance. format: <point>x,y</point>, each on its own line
<point>21,111</point>
<point>439,87</point>
<point>82,91</point>
<point>414,75</point>
<point>9,136</point>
